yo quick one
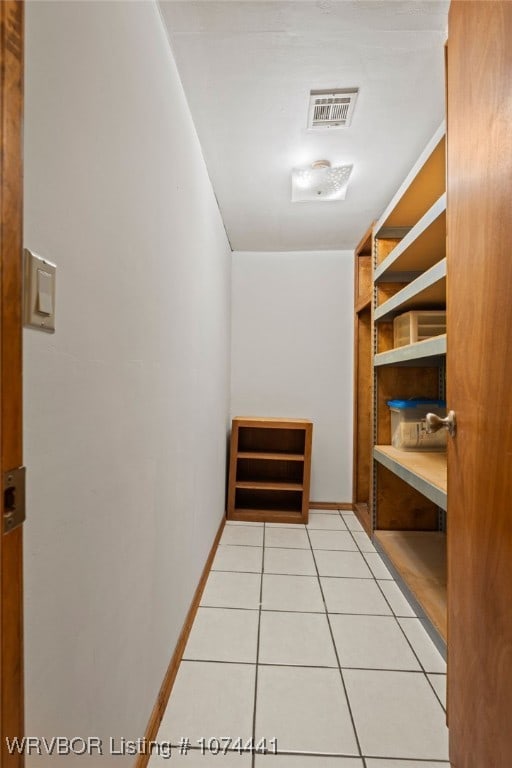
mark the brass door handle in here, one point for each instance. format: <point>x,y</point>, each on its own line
<point>435,423</point>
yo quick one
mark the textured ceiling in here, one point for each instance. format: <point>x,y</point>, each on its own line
<point>247,69</point>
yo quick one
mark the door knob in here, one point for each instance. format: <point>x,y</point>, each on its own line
<point>435,423</point>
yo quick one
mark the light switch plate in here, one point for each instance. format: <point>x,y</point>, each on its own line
<point>39,292</point>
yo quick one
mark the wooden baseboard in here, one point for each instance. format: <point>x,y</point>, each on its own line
<point>172,670</point>
<point>330,505</point>
<point>363,514</point>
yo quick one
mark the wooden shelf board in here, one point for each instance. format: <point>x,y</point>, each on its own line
<point>276,456</point>
<point>420,558</point>
<point>275,422</point>
<point>267,516</point>
<point>363,304</point>
<point>420,350</point>
<point>403,208</point>
<point>264,486</point>
<point>427,291</point>
<point>424,470</point>
<point>421,248</point>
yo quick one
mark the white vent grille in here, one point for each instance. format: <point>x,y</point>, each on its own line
<point>331,109</point>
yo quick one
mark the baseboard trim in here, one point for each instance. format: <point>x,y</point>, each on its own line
<point>330,505</point>
<point>172,670</point>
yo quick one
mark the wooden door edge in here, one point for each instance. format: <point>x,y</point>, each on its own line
<point>11,443</point>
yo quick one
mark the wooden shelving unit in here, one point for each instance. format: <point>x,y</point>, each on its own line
<point>420,351</point>
<point>362,379</point>
<point>427,290</point>
<point>269,472</point>
<point>423,470</point>
<point>422,245</point>
<point>420,558</point>
<point>409,489</point>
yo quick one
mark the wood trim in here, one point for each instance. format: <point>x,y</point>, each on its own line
<point>308,448</point>
<point>275,422</point>
<point>172,670</point>
<point>479,372</point>
<point>363,514</point>
<point>267,516</point>
<point>11,446</point>
<point>361,246</point>
<point>363,294</point>
<point>347,505</point>
<point>233,457</point>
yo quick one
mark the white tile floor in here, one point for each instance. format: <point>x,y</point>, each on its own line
<point>303,637</point>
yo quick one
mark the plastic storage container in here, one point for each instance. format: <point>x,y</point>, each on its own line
<point>418,325</point>
<point>408,428</point>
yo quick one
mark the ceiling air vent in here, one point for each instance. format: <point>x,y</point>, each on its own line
<point>331,109</point>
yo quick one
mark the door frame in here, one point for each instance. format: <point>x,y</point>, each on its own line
<point>11,397</point>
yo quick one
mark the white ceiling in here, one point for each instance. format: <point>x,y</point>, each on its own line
<point>247,69</point>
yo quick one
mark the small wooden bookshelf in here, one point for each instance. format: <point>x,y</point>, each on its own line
<point>269,470</point>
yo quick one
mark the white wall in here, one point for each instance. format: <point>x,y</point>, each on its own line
<point>127,405</point>
<point>292,350</point>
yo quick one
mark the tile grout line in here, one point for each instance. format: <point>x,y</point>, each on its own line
<point>319,612</point>
<point>356,735</point>
<point>230,607</point>
<point>441,674</point>
<point>393,615</point>
<point>409,643</point>
<point>343,755</point>
<point>260,609</point>
<point>344,668</point>
<point>253,757</point>
<point>332,635</point>
<point>232,570</point>
<point>427,760</point>
<point>340,755</point>
<point>334,643</point>
<point>422,670</point>
<point>276,573</point>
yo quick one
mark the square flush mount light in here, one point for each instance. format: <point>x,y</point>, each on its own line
<point>320,182</point>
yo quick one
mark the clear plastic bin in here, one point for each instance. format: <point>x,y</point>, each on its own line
<point>408,428</point>
<point>418,325</point>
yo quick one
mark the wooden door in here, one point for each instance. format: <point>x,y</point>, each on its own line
<point>479,225</point>
<point>11,578</point>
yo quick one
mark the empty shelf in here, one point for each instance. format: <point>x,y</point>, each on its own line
<point>271,456</point>
<point>421,248</point>
<point>422,187</point>
<point>420,350</point>
<point>263,486</point>
<point>423,470</point>
<point>427,291</point>
<point>420,559</point>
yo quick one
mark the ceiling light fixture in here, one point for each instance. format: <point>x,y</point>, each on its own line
<point>320,182</point>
